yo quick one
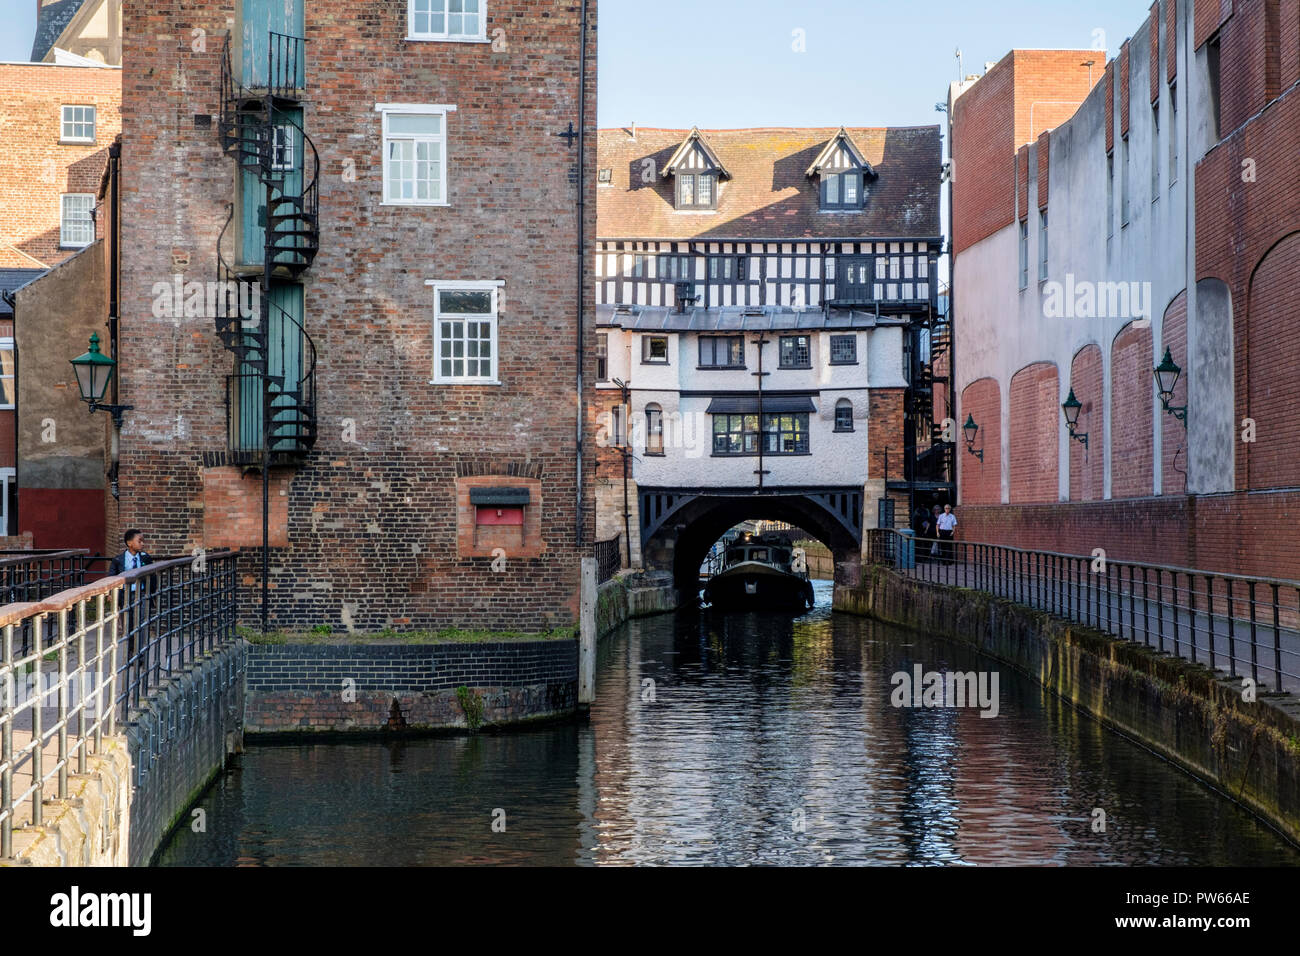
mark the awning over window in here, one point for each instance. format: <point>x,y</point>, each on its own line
<point>772,405</point>
<point>509,497</point>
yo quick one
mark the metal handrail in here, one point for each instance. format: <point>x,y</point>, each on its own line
<point>111,644</point>
<point>1189,612</point>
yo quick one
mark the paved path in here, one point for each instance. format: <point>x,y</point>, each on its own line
<point>1165,621</point>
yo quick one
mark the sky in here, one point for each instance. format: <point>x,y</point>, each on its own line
<point>734,63</point>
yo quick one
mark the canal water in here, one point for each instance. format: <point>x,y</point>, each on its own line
<point>738,739</point>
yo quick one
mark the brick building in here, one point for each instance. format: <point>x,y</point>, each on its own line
<point>388,195</point>
<point>1156,215</point>
<point>806,256</point>
<point>58,126</point>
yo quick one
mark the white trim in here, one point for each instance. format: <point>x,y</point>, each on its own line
<point>469,285</point>
<point>410,39</point>
<point>479,37</point>
<point>415,108</point>
<point>63,242</point>
<point>443,140</point>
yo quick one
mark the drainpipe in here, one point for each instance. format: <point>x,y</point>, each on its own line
<point>114,164</point>
<point>12,302</point>
<point>582,271</point>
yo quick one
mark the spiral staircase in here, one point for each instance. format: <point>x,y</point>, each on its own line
<point>271,397</point>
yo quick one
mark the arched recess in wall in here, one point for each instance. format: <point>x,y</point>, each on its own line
<point>1173,435</point>
<point>981,481</point>
<point>1035,427</point>
<point>1132,390</point>
<point>1088,464</point>
<point>1267,355</point>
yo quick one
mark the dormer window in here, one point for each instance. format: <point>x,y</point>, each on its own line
<point>696,190</point>
<point>698,174</point>
<point>842,173</point>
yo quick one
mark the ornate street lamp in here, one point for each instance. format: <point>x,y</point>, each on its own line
<point>1167,374</point>
<point>969,431</point>
<point>1072,406</point>
<point>94,372</point>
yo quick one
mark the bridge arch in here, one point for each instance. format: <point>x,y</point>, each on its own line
<point>679,527</point>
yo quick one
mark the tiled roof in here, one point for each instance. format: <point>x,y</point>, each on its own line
<point>769,196</point>
<point>51,23</point>
<point>11,279</point>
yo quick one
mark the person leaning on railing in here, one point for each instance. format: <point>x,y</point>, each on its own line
<point>132,559</point>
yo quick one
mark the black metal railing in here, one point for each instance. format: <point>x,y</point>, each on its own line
<point>35,575</point>
<point>1245,626</point>
<point>286,65</point>
<point>104,648</point>
<point>174,612</point>
<point>609,558</point>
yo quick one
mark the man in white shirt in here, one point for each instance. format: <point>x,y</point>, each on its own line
<point>947,524</point>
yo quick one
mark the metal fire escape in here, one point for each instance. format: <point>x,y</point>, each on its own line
<point>271,397</point>
<point>933,467</point>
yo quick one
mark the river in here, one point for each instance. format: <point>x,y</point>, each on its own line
<point>738,739</point>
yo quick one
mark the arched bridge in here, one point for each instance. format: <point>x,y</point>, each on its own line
<point>680,525</point>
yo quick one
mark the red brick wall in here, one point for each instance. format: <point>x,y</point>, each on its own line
<point>1173,435</point>
<point>1154,23</point>
<point>1237,224</point>
<point>1289,49</point>
<point>885,430</point>
<point>35,169</point>
<point>1110,107</point>
<point>1171,39</point>
<point>1231,534</point>
<point>1272,353</point>
<point>372,524</point>
<point>1125,90</point>
<point>1044,161</point>
<point>232,509</point>
<point>983,139</point>
<point>1035,416</point>
<point>1209,15</point>
<point>1131,385</point>
<point>1249,61</point>
<point>981,482</point>
<point>1087,465</point>
<point>1029,91</point>
<point>1022,182</point>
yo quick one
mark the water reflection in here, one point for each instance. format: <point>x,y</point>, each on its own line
<point>741,739</point>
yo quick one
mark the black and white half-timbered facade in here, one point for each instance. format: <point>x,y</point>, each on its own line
<point>763,302</point>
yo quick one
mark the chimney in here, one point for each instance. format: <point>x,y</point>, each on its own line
<point>633,129</point>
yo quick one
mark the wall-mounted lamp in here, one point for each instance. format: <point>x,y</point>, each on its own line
<point>94,372</point>
<point>1167,374</point>
<point>1072,406</point>
<point>969,431</point>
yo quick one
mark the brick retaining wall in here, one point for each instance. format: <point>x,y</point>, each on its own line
<point>311,688</point>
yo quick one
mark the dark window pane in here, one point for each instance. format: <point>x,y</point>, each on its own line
<point>461,302</point>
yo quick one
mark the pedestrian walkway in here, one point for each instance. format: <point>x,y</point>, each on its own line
<point>1242,627</point>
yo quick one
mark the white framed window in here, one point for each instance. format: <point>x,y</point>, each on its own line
<point>464,20</point>
<point>282,148</point>
<point>8,385</point>
<point>415,154</point>
<point>76,225</point>
<point>78,124</point>
<point>465,332</point>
